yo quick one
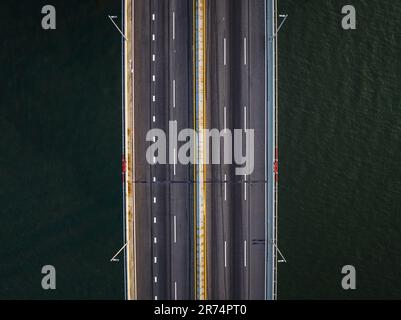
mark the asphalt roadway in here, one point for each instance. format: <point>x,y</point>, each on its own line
<point>236,100</point>
<point>163,90</point>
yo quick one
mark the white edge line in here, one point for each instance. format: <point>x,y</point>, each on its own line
<point>173,25</point>
<point>245,253</point>
<point>245,48</point>
<point>173,93</point>
<point>245,118</point>
<point>225,254</point>
<point>175,160</point>
<point>225,118</point>
<point>225,187</point>
<point>225,52</point>
<point>175,229</point>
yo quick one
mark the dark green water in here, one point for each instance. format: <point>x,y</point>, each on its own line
<point>340,149</point>
<point>60,150</point>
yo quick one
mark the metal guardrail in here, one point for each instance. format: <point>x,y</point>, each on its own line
<point>271,199</point>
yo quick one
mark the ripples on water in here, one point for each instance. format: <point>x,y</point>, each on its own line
<point>340,149</point>
<point>60,150</point>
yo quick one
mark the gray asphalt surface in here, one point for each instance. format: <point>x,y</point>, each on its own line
<point>163,197</point>
<point>236,93</point>
<point>235,209</point>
